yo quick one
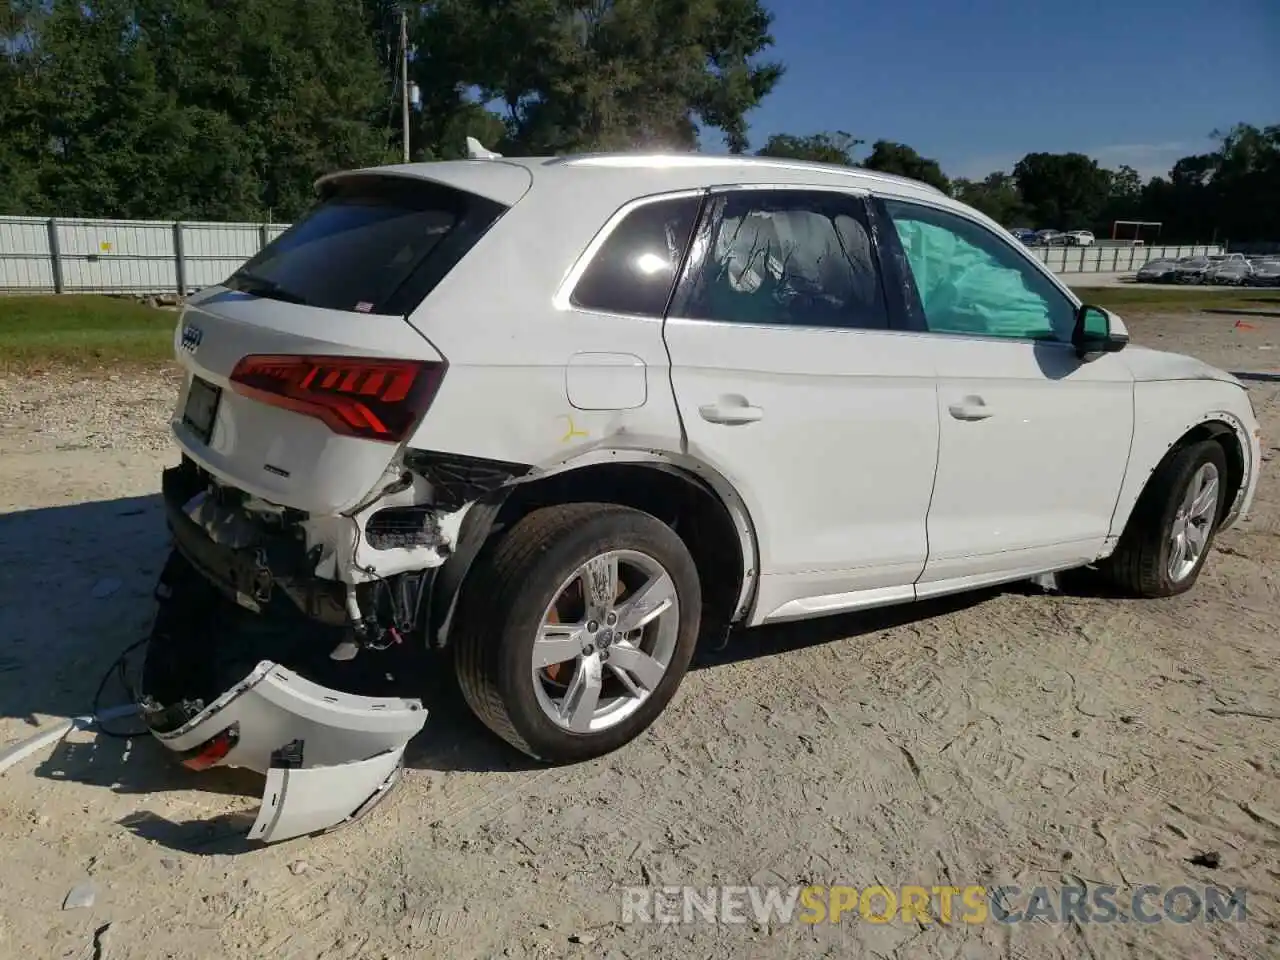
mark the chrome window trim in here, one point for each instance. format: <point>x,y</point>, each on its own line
<point>563,299</point>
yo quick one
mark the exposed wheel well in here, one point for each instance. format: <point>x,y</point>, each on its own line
<point>1222,434</point>
<point>1225,437</point>
<point>678,498</point>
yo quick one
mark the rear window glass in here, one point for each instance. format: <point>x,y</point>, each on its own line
<point>371,245</point>
<point>635,269</point>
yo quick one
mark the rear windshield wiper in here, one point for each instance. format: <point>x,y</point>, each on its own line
<point>265,287</point>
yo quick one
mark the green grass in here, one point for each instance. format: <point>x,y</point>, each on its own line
<point>1179,299</point>
<point>89,332</point>
<point>84,332</point>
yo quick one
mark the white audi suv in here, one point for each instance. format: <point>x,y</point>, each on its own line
<point>556,419</point>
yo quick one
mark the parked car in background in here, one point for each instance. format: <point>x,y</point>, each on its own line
<point>1024,235</point>
<point>1079,238</point>
<point>1049,238</point>
<point>1229,272</point>
<point>1191,269</point>
<point>1158,271</point>
<point>1266,272</point>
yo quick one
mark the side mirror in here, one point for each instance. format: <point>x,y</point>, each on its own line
<point>1097,331</point>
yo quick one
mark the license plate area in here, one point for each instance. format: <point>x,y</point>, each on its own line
<point>202,408</point>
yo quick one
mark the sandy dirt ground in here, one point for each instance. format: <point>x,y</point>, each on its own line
<point>1007,737</point>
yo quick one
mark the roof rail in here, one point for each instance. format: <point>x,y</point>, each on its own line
<point>622,160</point>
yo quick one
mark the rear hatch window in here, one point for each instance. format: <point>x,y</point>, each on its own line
<point>372,244</point>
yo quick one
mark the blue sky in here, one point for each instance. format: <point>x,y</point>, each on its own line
<point>976,84</point>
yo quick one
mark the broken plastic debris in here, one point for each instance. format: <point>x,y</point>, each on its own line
<point>346,650</point>
<point>17,752</point>
<point>81,895</point>
<point>329,756</point>
<point>323,798</point>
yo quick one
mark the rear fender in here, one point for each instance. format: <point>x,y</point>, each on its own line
<point>484,517</point>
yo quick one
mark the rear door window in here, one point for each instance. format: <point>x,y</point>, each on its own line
<point>784,257</point>
<point>371,245</point>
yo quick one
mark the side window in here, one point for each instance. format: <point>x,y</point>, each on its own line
<point>970,281</point>
<point>785,257</point>
<point>634,270</point>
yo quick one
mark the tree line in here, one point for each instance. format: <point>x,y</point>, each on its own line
<point>229,109</point>
<point>1231,193</point>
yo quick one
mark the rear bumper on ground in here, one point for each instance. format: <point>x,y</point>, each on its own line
<point>328,756</point>
<point>224,681</point>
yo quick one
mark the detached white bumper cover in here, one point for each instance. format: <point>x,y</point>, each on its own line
<point>298,802</point>
<point>328,756</point>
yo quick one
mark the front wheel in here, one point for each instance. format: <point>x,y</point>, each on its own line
<point>1167,539</point>
<point>576,628</point>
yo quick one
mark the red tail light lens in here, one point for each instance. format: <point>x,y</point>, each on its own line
<point>214,750</point>
<point>364,397</point>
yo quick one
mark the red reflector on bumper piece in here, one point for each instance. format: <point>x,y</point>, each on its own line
<point>370,398</point>
<point>214,750</point>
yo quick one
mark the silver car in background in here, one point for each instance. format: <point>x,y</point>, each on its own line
<point>1230,272</point>
<point>1191,269</point>
<point>1265,273</point>
<point>1158,271</point>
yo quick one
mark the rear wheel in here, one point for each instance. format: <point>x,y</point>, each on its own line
<point>576,628</point>
<point>1168,537</point>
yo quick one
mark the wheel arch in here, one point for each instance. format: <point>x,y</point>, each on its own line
<point>1231,434</point>
<point>698,502</point>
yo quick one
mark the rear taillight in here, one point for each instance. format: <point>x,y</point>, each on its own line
<point>212,751</point>
<point>363,397</point>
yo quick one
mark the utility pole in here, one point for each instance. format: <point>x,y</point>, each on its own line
<point>404,80</point>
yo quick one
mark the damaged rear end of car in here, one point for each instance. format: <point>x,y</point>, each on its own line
<point>307,531</point>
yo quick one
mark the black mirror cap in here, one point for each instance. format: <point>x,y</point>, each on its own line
<point>1115,342</point>
<point>1091,346</point>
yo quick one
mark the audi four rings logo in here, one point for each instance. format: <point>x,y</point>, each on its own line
<point>191,337</point>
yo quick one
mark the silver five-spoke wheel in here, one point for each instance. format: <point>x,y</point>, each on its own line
<point>576,628</point>
<point>1193,522</point>
<point>605,641</point>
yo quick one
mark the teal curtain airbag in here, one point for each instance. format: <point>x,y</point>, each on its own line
<point>963,289</point>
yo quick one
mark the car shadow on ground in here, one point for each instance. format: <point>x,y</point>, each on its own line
<point>76,589</point>
<point>455,741</point>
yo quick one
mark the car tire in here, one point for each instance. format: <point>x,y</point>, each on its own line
<point>1143,562</point>
<point>509,596</point>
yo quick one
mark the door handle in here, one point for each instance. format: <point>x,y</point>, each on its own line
<point>970,408</point>
<point>730,410</point>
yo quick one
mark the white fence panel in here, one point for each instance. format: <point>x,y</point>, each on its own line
<point>211,252</point>
<point>116,256</point>
<point>58,255</point>
<point>26,259</point>
<point>1110,259</point>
